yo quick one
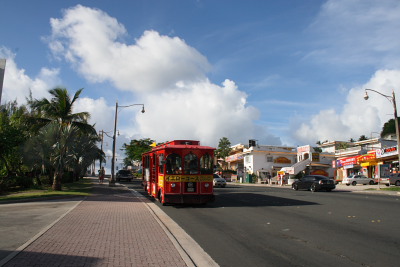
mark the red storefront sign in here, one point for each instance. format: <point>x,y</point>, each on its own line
<point>347,161</point>
<point>386,152</point>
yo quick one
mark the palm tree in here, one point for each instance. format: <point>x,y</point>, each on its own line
<point>59,110</point>
<point>56,113</point>
<point>38,150</point>
<point>84,152</point>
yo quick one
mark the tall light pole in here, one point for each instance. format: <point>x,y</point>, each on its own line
<point>392,99</point>
<point>2,71</point>
<point>112,181</point>
<point>102,132</point>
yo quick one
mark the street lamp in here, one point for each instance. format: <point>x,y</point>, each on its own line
<point>112,181</point>
<point>102,132</point>
<point>392,99</point>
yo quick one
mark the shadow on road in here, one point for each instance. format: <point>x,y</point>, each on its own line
<point>231,198</point>
<point>251,200</point>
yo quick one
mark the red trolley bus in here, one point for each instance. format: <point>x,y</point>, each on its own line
<point>179,171</point>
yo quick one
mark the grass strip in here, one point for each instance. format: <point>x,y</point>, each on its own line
<point>396,188</point>
<point>82,187</point>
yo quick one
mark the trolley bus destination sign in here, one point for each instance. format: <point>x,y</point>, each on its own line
<point>187,178</point>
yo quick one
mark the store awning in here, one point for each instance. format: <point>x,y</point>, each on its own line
<point>320,165</point>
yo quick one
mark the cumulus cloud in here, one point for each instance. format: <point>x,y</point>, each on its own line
<point>165,73</point>
<point>358,117</point>
<point>90,40</point>
<point>17,83</point>
<point>101,113</point>
<point>199,111</point>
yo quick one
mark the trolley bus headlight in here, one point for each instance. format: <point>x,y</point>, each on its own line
<point>173,185</point>
<point>206,185</point>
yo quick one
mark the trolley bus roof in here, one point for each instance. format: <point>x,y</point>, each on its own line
<point>183,144</point>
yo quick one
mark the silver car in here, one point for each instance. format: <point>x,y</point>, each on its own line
<point>358,179</point>
<point>219,181</point>
<point>393,179</point>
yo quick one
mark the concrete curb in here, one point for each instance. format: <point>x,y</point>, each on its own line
<point>191,252</point>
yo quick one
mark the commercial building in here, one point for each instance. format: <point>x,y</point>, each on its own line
<point>374,158</point>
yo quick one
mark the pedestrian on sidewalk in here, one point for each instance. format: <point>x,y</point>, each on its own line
<point>102,173</point>
<point>269,178</point>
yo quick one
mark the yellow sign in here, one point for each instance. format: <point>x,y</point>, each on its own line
<point>189,178</point>
<point>160,180</point>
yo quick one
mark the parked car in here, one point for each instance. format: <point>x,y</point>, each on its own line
<point>357,179</point>
<point>314,183</point>
<point>219,181</point>
<point>124,175</point>
<point>394,179</point>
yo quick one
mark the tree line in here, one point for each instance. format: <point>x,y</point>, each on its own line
<point>136,147</point>
<point>44,138</point>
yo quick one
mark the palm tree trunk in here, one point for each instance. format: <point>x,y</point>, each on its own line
<point>57,181</point>
<point>36,174</point>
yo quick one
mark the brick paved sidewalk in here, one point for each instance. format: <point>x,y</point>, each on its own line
<point>111,228</point>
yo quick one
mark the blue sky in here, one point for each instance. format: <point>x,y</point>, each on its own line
<point>282,72</point>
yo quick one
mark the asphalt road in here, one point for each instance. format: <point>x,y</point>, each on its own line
<point>264,226</point>
<point>19,222</point>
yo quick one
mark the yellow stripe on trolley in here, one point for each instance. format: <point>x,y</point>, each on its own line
<point>189,178</point>
<point>160,180</point>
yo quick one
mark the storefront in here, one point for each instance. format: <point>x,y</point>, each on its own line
<point>388,161</point>
<point>346,167</point>
<point>369,164</point>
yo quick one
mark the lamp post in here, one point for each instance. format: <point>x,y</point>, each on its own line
<point>102,132</point>
<point>112,181</point>
<point>392,99</point>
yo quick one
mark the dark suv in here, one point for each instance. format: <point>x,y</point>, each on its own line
<point>124,175</point>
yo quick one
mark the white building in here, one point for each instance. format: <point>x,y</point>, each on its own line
<point>312,161</point>
<point>263,159</point>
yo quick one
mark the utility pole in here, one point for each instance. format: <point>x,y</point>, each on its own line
<point>112,180</point>
<point>101,146</point>
<point>2,71</point>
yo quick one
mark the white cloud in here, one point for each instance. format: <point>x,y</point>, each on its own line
<point>166,74</point>
<point>357,32</point>
<point>200,111</point>
<point>358,117</point>
<point>102,115</point>
<point>90,39</point>
<point>17,84</point>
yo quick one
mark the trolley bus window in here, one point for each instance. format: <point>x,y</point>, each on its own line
<point>174,164</point>
<point>206,164</point>
<point>161,163</point>
<point>191,164</point>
